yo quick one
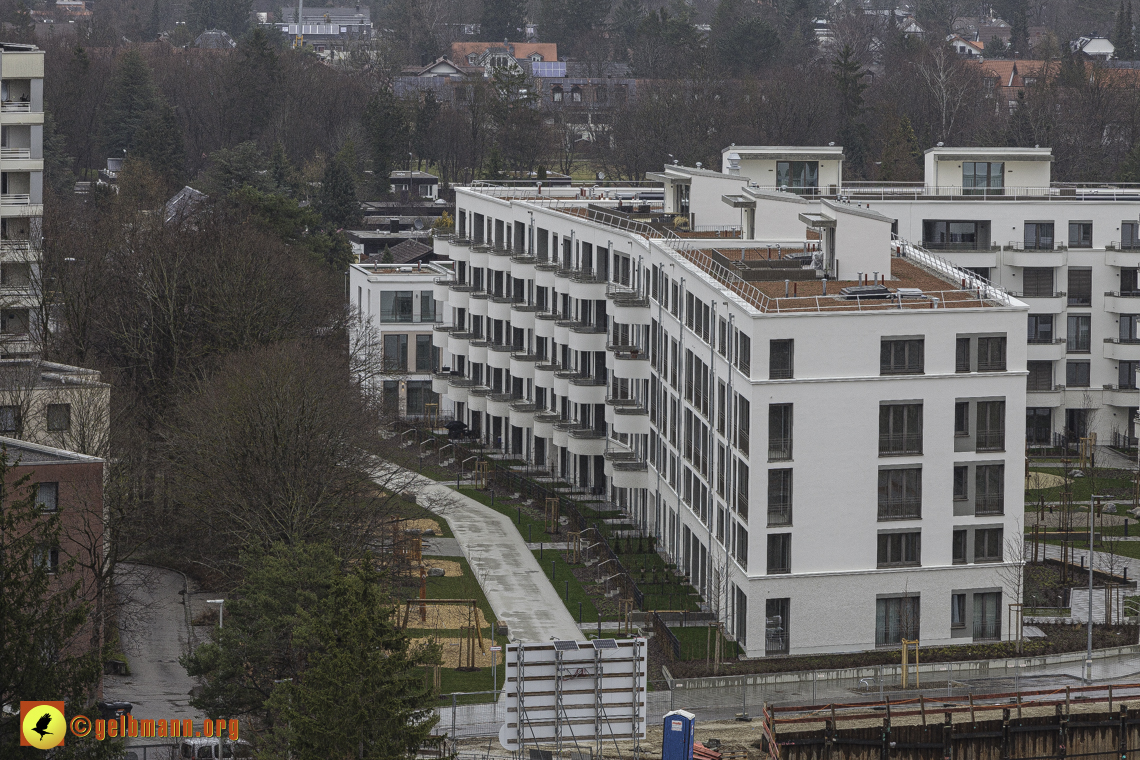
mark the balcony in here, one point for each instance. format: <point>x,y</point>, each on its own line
<point>522,364</point>
<point>1043,303</point>
<point>779,449</point>
<point>990,440</point>
<point>477,398</point>
<point>902,444</point>
<point>1042,349</point>
<point>477,351</point>
<point>1017,254</point>
<point>15,106</point>
<point>1126,302</point>
<point>908,508</point>
<point>987,630</point>
<point>499,307</point>
<point>1121,395</point>
<point>498,404</point>
<point>1046,397</point>
<point>15,154</point>
<point>15,199</point>
<point>522,413</point>
<point>544,423</point>
<point>1126,349</point>
<point>989,505</point>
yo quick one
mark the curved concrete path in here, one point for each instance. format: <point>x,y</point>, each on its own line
<point>516,587</point>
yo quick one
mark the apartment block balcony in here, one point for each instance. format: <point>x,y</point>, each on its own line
<point>1040,349</point>
<point>629,420</point>
<point>544,372</point>
<point>1043,303</point>
<point>459,342</point>
<point>901,508</point>
<point>1052,397</point>
<point>477,398</point>
<point>544,423</point>
<point>499,355</point>
<point>1018,254</point>
<point>625,467</point>
<point>458,388</point>
<point>523,364</point>
<point>1121,395</point>
<point>499,404</point>
<point>1122,302</point>
<point>588,284</point>
<point>478,350</point>
<point>15,154</point>
<point>902,444</point>
<point>632,364</point>
<point>15,199</point>
<point>587,337</point>
<point>1127,349</point>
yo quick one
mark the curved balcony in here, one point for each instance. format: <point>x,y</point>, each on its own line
<point>562,331</point>
<point>499,307</point>
<point>544,324</point>
<point>588,284</point>
<point>544,423</point>
<point>439,382</point>
<point>522,266</point>
<point>480,253</point>
<point>544,275</point>
<point>1127,350</point>
<point>522,365</point>
<point>499,404</point>
<point>459,388</point>
<point>544,374</point>
<point>587,337</point>
<point>499,355</point>
<point>564,273</point>
<point>459,343</point>
<point>632,420</point>
<point>561,434</point>
<point>630,362</point>
<point>459,298</point>
<point>634,311</point>
<point>562,381</point>
<point>586,441</point>
<point>440,335</point>
<point>477,352</point>
<point>1127,257</point>
<point>1127,302</point>
<point>1051,304</point>
<point>522,413</point>
<point>1039,350</point>
<point>477,398</point>
<point>625,469</point>
<point>479,303</point>
<point>584,389</point>
<point>441,288</point>
<point>459,249</point>
<point>522,315</point>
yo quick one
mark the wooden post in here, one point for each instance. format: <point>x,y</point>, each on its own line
<point>922,707</point>
<point>828,737</point>
<point>1062,732</point>
<point>1005,734</point>
<point>1123,732</point>
<point>972,718</point>
<point>885,744</point>
<point>947,736</point>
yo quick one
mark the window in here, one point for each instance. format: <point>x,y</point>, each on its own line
<point>59,417</point>
<point>987,616</point>
<point>961,482</point>
<point>983,177</point>
<point>988,545</point>
<point>1128,325</point>
<point>556,94</point>
<point>576,94</point>
<point>896,618</point>
<point>9,419</point>
<point>958,552</point>
<point>898,549</point>
<point>797,174</point>
<point>958,236</point>
<point>396,353</point>
<point>1077,374</point>
<point>743,353</point>
<point>1040,328</point>
<point>396,306</point>
<point>741,545</point>
<point>1129,280</point>
<point>743,423</point>
<point>1040,376</point>
<point>900,494</point>
<point>962,355</point>
<point>901,357</point>
<point>427,306</point>
<point>423,353</point>
<point>48,558</point>
<point>1127,375</point>
<point>779,432</point>
<point>1080,234</point>
<point>776,626</point>
<point>991,426</point>
<point>900,429</point>
<point>1079,339</point>
<point>958,609</point>
<point>989,487</point>
<point>961,418</point>
<point>1080,286</point>
<point>1038,425</point>
<point>779,497</point>
<point>420,395</point>
<point>1038,282</point>
<point>1038,236</point>
<point>742,489</point>
<point>779,553</point>
<point>47,496</point>
<point>1129,235</point>
<point>991,354</point>
<point>780,356</point>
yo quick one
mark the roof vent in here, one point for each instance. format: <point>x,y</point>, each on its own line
<point>865,291</point>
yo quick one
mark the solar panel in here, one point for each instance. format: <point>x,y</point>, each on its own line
<point>548,68</point>
<point>566,646</point>
<point>605,644</point>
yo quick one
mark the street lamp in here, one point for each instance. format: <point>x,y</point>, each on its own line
<point>221,607</point>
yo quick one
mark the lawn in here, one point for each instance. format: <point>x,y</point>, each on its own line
<point>1108,482</point>
<point>697,643</point>
<point>563,579</point>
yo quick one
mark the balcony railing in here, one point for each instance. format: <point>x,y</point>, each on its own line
<point>987,630</point>
<point>15,106</point>
<point>990,440</point>
<point>1045,341</point>
<point>908,508</point>
<point>775,642</point>
<point>986,504</point>
<point>1041,245</point>
<point>779,449</point>
<point>779,515</point>
<point>13,154</point>
<point>991,366</point>
<point>15,199</point>
<point>900,444</point>
<point>1036,294</point>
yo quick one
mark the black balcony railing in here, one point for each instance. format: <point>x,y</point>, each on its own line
<point>988,504</point>
<point>987,630</point>
<point>905,508</point>
<point>899,444</point>
<point>779,515</point>
<point>779,449</point>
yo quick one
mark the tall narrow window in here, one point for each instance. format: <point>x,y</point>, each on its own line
<point>781,353</point>
<point>779,553</point>
<point>989,489</point>
<point>987,616</point>
<point>958,552</point>
<point>1079,339</point>
<point>776,625</point>
<point>779,432</point>
<point>991,426</point>
<point>779,497</point>
<point>1080,286</point>
<point>896,618</point>
<point>962,355</point>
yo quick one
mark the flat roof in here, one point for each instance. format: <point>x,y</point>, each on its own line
<point>789,152</point>
<point>1010,154</point>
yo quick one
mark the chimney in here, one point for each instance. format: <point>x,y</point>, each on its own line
<point>394,225</point>
<point>825,286</point>
<point>876,280</point>
<point>859,278</point>
<point>786,283</point>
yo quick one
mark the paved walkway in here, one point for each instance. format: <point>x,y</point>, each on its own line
<point>515,585</point>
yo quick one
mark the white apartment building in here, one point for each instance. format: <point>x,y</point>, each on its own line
<point>1070,251</point>
<point>826,460</point>
<point>396,311</point>
<point>21,196</point>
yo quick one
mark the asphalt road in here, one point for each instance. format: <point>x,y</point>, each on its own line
<point>154,637</point>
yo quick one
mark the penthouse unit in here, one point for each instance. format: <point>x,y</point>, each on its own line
<point>21,195</point>
<point>396,312</point>
<point>635,362</point>
<point>1070,251</point>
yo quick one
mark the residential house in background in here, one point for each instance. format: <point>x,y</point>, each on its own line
<point>490,55</point>
<point>966,47</point>
<point>397,314</point>
<point>326,28</point>
<point>415,184</point>
<point>55,405</point>
<point>21,197</point>
<point>1098,48</point>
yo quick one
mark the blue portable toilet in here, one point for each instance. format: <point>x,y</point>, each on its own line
<point>677,737</point>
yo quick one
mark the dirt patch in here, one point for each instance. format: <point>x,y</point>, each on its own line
<point>422,524</point>
<point>451,568</point>
<point>1039,480</point>
<point>443,616</point>
<point>455,656</point>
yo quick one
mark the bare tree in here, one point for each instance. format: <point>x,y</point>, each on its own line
<point>948,83</point>
<point>1012,573</point>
